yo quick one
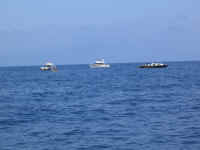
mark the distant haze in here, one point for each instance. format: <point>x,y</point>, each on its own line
<point>76,32</point>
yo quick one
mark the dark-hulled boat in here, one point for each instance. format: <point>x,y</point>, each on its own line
<point>154,65</point>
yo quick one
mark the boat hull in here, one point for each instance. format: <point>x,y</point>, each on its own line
<point>54,69</point>
<point>45,68</point>
<point>161,66</point>
<point>99,66</point>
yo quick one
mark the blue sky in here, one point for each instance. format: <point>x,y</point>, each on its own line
<point>77,31</point>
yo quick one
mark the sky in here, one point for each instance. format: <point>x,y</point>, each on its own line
<point>81,31</point>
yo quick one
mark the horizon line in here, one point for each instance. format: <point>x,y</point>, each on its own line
<point>107,62</point>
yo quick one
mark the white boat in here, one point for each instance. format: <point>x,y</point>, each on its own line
<point>48,67</point>
<point>99,64</point>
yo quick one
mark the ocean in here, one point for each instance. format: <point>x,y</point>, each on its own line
<point>118,108</point>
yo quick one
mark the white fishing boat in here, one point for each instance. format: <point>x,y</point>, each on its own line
<point>48,67</point>
<point>99,64</point>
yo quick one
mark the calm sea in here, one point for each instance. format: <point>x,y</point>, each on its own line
<point>120,108</point>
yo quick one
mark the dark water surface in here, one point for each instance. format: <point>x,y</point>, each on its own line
<point>120,108</point>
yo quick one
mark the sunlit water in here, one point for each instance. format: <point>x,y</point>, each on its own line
<point>118,108</point>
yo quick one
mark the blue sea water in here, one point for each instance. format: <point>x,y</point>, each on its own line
<point>118,108</point>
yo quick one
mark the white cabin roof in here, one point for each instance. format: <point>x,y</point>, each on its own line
<point>49,64</point>
<point>100,61</point>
